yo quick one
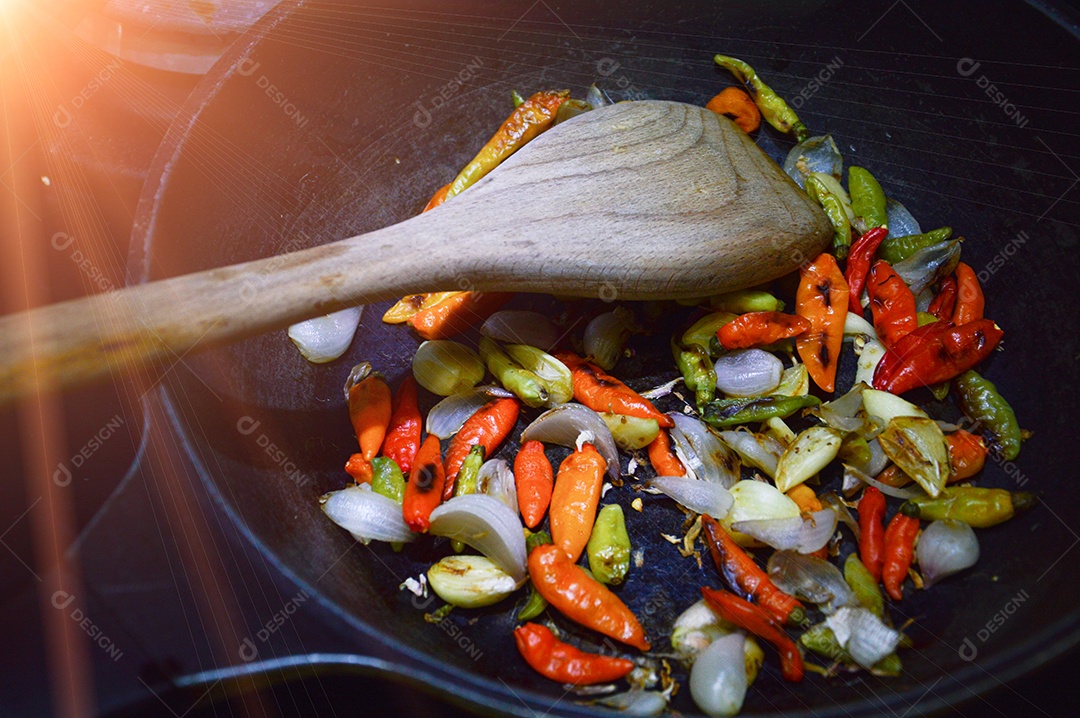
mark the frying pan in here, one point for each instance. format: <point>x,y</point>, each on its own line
<point>333,119</point>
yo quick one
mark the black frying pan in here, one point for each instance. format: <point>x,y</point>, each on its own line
<point>332,119</point>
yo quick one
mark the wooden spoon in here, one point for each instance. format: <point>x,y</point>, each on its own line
<point>638,200</point>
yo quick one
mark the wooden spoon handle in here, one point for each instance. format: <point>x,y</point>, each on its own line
<point>157,323</point>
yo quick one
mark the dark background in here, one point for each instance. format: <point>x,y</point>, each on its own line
<point>97,164</point>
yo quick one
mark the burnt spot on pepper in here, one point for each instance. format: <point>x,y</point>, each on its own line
<point>823,354</point>
<point>824,288</point>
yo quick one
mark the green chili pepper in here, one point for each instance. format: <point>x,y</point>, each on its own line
<point>821,640</point>
<point>864,586</point>
<point>526,385</point>
<point>980,400</point>
<point>731,412</point>
<point>517,98</point>
<point>746,300</point>
<point>534,605</point>
<point>897,249</point>
<point>976,506</point>
<point>704,330</point>
<point>697,369</point>
<point>387,479</point>
<point>855,450</point>
<point>867,198</point>
<point>609,546</point>
<point>833,204</point>
<point>924,318</point>
<point>773,108</point>
<point>469,471</point>
<point>536,538</point>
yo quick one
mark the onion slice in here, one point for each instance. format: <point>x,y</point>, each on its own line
<point>486,524</point>
<point>718,677</point>
<point>521,327</point>
<point>564,424</point>
<point>757,450</point>
<point>495,479</point>
<point>368,516</point>
<point>901,222</point>
<point>946,547</point>
<point>814,154</point>
<point>701,450</point>
<point>748,372</point>
<point>929,265</point>
<point>863,635</point>
<point>703,497</point>
<point>802,534</point>
<point>606,336</point>
<point>850,472</point>
<point>811,579</point>
<point>323,339</point>
<point>446,417</point>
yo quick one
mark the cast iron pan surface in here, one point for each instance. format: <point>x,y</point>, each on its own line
<point>334,119</point>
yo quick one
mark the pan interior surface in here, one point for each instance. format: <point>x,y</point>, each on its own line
<point>345,118</point>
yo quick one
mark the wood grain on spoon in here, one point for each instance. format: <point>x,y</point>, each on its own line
<point>638,200</point>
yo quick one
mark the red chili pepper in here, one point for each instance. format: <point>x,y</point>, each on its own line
<point>755,329</point>
<point>604,393</point>
<point>892,304</point>
<point>534,480</point>
<point>561,662</point>
<point>822,298</point>
<point>403,435</point>
<point>488,427</point>
<point>751,618</point>
<point>457,313</point>
<point>662,456</point>
<point>935,353</point>
<point>858,265</point>
<point>872,530</point>
<point>359,468</point>
<point>740,571</point>
<point>969,301</point>
<point>423,491</point>
<point>967,455</point>
<point>899,552</point>
<point>581,598</point>
<point>369,412</point>
<point>945,300</point>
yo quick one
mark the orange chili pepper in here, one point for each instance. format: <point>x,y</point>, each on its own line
<point>423,491</point>
<point>944,302</point>
<point>967,454</point>
<point>899,552</point>
<point>581,598</point>
<point>755,329</point>
<point>534,116</point>
<point>403,434</point>
<point>561,662</point>
<point>575,498</point>
<point>534,480</point>
<point>872,530</point>
<point>738,107</point>
<point>369,412</point>
<point>806,499</point>
<point>891,475</point>
<point>740,571</point>
<point>488,427</point>
<point>602,392</point>
<point>892,304</point>
<point>969,300</point>
<point>438,198</point>
<point>457,313</point>
<point>359,468</point>
<point>662,456</point>
<point>822,298</point>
